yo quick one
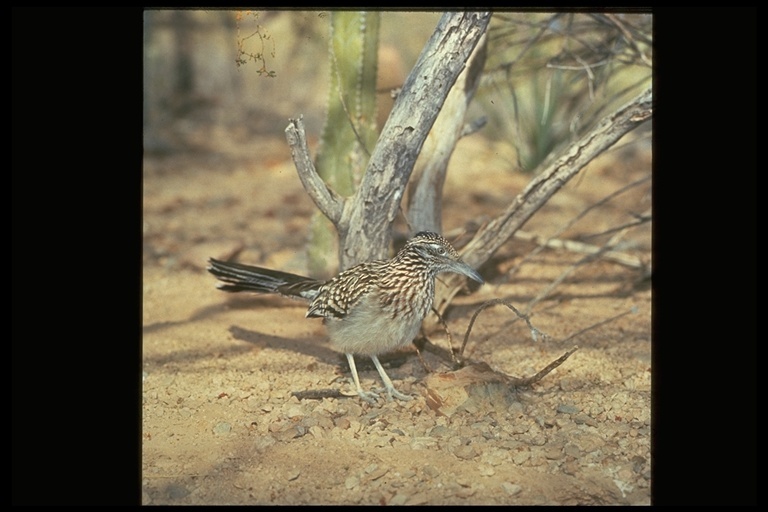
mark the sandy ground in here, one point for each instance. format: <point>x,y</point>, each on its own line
<point>220,424</point>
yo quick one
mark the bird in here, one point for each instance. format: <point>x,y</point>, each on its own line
<point>369,309</point>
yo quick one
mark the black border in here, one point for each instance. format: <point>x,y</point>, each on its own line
<point>77,256</point>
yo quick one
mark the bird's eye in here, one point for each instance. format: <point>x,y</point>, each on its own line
<point>440,251</point>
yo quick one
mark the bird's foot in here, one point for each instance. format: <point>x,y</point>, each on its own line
<point>393,393</point>
<point>368,397</point>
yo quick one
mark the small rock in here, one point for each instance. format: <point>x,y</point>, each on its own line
<point>511,489</point>
<point>465,452</point>
<point>419,498</point>
<point>486,470</point>
<point>584,419</point>
<point>294,474</point>
<point>318,432</point>
<point>177,491</point>
<point>262,443</point>
<point>351,482</point>
<point>572,450</point>
<point>378,473</point>
<point>569,384</point>
<point>521,457</point>
<point>295,411</point>
<point>554,452</point>
<point>342,423</point>
<point>567,409</point>
<point>420,443</point>
<point>465,492</point>
<point>440,431</point>
<point>431,471</point>
<point>398,499</point>
<point>520,428</point>
<point>222,428</point>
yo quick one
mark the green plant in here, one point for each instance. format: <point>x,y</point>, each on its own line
<point>349,132</point>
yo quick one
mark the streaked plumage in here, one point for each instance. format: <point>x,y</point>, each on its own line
<point>369,309</point>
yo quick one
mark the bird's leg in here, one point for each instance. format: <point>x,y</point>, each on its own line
<point>388,386</point>
<point>368,397</point>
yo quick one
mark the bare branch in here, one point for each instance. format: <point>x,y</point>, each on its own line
<point>495,233</point>
<point>328,201</point>
<point>425,191</point>
<point>367,220</point>
<point>576,246</point>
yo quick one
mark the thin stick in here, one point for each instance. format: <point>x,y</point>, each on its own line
<point>534,331</point>
<point>527,381</point>
<point>317,394</point>
<point>450,338</point>
<point>598,324</point>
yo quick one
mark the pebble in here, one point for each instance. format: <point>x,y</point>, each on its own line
<point>440,431</point>
<point>381,440</point>
<point>261,443</point>
<point>465,492</point>
<point>554,451</point>
<point>342,423</point>
<point>569,384</point>
<point>511,489</point>
<point>419,498</point>
<point>521,456</point>
<point>378,473</point>
<point>318,432</point>
<point>520,428</point>
<point>398,499</point>
<point>222,428</point>
<point>431,471</point>
<point>176,491</point>
<point>572,450</point>
<point>295,411</point>
<point>421,443</point>
<point>351,482</point>
<point>486,470</point>
<point>583,419</point>
<point>567,409</point>
<point>465,452</point>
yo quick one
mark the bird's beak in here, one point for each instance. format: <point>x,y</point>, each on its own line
<point>462,268</point>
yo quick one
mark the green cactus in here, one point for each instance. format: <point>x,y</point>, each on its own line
<point>350,132</point>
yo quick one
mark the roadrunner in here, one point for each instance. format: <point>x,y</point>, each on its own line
<point>369,309</point>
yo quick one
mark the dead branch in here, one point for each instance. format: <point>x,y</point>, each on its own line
<point>326,199</point>
<point>425,189</point>
<point>568,271</point>
<point>600,323</point>
<point>580,247</point>
<point>364,220</point>
<point>527,381</point>
<point>319,394</point>
<point>535,333</point>
<point>553,242</point>
<point>496,232</point>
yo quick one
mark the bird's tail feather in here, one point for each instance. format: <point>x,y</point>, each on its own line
<point>237,277</point>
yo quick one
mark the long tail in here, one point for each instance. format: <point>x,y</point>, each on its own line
<point>237,277</point>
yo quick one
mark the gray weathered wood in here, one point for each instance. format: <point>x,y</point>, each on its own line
<point>496,232</point>
<point>425,189</point>
<point>364,220</point>
<point>365,227</point>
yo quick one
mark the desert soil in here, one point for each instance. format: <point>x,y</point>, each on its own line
<point>220,424</point>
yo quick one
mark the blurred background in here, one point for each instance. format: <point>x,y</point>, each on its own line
<point>548,76</point>
<point>220,87</point>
